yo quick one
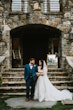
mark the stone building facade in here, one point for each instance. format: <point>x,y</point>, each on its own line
<point>58,22</point>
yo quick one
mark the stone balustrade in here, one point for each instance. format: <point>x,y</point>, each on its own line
<point>69,65</point>
<point>2,66</point>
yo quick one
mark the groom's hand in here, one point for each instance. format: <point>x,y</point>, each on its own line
<point>42,74</point>
<point>38,74</point>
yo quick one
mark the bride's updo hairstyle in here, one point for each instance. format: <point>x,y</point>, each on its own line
<point>41,63</point>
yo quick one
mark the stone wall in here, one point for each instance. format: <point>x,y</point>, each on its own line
<point>62,21</point>
<point>69,66</point>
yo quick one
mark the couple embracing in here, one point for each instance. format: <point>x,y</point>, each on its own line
<point>38,85</point>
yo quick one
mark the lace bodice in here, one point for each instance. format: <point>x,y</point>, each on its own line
<point>39,69</point>
<point>44,70</point>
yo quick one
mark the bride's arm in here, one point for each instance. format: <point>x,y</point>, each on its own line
<point>45,70</point>
<point>40,74</point>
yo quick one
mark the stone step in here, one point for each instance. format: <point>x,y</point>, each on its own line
<point>12,87</point>
<point>23,82</point>
<point>23,87</point>
<point>22,69</point>
<point>15,72</point>
<point>14,83</point>
<point>15,69</point>
<point>59,77</point>
<point>22,73</point>
<point>22,90</point>
<point>67,102</point>
<point>57,74</point>
<point>56,77</point>
<point>52,78</point>
<point>61,82</point>
<point>19,72</point>
<point>12,93</point>
<point>55,69</point>
<point>64,87</point>
<point>8,80</point>
<point>11,77</point>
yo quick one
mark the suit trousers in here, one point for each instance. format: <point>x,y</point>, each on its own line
<point>30,87</point>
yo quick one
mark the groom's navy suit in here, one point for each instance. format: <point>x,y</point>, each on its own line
<point>30,78</point>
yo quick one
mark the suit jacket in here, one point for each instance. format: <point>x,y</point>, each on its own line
<point>30,72</point>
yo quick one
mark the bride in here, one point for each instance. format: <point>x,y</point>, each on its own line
<point>44,89</point>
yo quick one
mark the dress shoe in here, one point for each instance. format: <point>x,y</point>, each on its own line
<point>32,99</point>
<point>27,99</point>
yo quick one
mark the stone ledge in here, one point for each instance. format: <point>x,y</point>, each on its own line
<point>2,59</point>
<point>67,102</point>
<point>70,60</point>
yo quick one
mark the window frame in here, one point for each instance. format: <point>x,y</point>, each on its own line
<point>15,11</point>
<point>22,9</point>
<point>52,7</point>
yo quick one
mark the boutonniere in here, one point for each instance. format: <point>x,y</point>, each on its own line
<point>34,65</point>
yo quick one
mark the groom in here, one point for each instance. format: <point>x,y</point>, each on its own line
<point>30,78</point>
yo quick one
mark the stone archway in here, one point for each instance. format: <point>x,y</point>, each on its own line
<point>36,39</point>
<point>64,28</point>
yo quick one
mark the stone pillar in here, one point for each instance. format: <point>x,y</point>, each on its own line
<point>6,38</point>
<point>9,65</point>
<point>62,47</point>
<point>8,51</point>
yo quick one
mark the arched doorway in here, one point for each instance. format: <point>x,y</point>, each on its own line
<point>35,40</point>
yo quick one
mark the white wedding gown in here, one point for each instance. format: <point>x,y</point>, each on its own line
<point>45,91</point>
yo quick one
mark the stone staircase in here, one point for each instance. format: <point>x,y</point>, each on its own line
<point>14,83</point>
